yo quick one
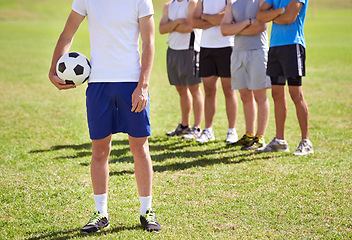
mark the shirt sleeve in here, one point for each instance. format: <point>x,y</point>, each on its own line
<point>145,8</point>
<point>80,6</point>
<point>270,2</point>
<point>303,1</point>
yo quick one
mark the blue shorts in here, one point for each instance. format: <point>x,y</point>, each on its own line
<point>109,111</point>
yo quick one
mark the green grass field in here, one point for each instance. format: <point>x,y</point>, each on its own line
<point>200,191</point>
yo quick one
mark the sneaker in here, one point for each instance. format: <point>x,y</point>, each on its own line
<point>256,143</point>
<point>206,136</point>
<point>275,146</point>
<point>149,221</point>
<point>193,134</point>
<point>180,130</point>
<point>232,136</point>
<point>305,147</point>
<point>96,223</point>
<point>245,139</point>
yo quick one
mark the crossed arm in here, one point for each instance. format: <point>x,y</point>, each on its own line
<point>245,27</point>
<point>205,21</point>
<point>283,15</point>
<point>182,25</point>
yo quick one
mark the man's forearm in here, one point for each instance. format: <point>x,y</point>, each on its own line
<point>269,15</point>
<point>169,26</point>
<point>184,27</point>
<point>147,59</point>
<point>214,19</point>
<point>254,28</point>
<point>201,24</point>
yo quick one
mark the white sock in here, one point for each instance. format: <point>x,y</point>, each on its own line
<point>146,204</point>
<point>231,129</point>
<point>209,129</point>
<point>101,203</point>
<point>281,141</point>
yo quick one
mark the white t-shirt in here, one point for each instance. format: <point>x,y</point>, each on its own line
<point>114,37</point>
<point>182,41</point>
<point>212,37</point>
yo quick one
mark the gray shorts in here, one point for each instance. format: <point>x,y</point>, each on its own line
<point>248,69</point>
<point>182,67</point>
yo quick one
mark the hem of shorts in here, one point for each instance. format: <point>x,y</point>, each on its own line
<point>140,136</point>
<point>215,76</point>
<point>275,75</point>
<point>114,81</point>
<point>250,89</point>
<point>173,84</point>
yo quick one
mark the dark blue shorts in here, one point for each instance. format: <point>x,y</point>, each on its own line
<point>109,111</point>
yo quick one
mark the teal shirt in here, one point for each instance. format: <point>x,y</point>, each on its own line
<point>288,34</point>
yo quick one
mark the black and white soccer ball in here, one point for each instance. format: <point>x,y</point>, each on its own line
<point>74,68</point>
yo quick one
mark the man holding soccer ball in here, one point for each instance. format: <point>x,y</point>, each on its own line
<point>117,94</point>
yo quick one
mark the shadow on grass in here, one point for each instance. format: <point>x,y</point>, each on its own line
<point>202,162</point>
<point>168,154</point>
<point>76,233</point>
<point>165,150</point>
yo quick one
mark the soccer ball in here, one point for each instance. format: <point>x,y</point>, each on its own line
<point>74,68</point>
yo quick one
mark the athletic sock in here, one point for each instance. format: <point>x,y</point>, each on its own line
<point>281,141</point>
<point>146,204</point>
<point>259,136</point>
<point>251,135</point>
<point>101,204</point>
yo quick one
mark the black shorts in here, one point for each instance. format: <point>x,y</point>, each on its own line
<point>286,61</point>
<point>293,81</point>
<point>215,62</point>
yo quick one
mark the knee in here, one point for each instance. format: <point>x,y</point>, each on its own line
<point>139,147</point>
<point>277,95</point>
<point>261,99</point>
<point>101,149</point>
<point>296,96</point>
<point>101,156</point>
<point>228,91</point>
<point>182,91</point>
<point>246,98</point>
<point>210,92</point>
<point>196,91</point>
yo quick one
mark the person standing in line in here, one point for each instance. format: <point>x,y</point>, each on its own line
<point>286,62</point>
<point>215,54</point>
<point>117,96</point>
<point>182,63</point>
<point>248,67</point>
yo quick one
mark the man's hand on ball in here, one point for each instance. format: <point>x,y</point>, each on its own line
<point>59,83</point>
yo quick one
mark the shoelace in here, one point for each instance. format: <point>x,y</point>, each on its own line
<point>207,134</point>
<point>150,217</point>
<point>94,219</point>
<point>193,133</point>
<point>230,133</point>
<point>271,145</point>
<point>301,146</point>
